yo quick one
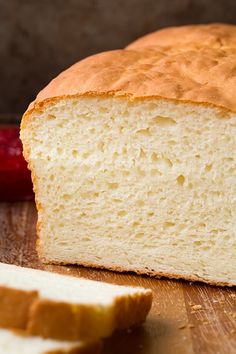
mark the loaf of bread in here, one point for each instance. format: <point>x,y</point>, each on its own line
<point>63,307</point>
<point>133,154</point>
<point>17,343</point>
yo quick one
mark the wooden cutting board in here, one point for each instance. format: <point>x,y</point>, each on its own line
<point>186,318</point>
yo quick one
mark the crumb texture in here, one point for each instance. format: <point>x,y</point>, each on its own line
<point>146,185</point>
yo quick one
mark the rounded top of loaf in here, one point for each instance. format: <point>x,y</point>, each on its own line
<point>214,35</point>
<point>196,64</point>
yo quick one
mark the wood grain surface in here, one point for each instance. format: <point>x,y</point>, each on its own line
<point>186,318</point>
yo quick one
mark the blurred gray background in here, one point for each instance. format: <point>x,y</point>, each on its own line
<point>40,38</point>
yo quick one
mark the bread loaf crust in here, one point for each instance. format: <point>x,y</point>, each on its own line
<point>152,273</point>
<point>213,35</point>
<point>200,73</point>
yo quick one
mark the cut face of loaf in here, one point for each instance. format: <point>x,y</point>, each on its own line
<point>16,343</point>
<point>144,185</point>
<point>67,308</point>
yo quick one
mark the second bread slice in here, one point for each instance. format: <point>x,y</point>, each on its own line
<point>16,343</point>
<point>67,308</point>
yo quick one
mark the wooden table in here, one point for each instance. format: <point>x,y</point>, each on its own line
<point>186,318</point>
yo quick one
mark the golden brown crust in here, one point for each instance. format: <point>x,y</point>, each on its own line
<point>131,311</point>
<point>15,306</point>
<point>67,322</point>
<point>25,310</point>
<point>144,271</point>
<point>213,35</point>
<point>187,71</point>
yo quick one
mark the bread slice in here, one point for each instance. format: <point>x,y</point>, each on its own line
<point>68,308</point>
<point>133,160</point>
<point>17,343</point>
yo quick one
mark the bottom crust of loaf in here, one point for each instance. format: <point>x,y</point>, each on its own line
<point>141,271</point>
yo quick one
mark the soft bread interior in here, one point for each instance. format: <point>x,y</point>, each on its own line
<point>14,343</point>
<point>63,288</point>
<point>144,185</point>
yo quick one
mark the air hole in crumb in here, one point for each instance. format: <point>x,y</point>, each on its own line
<point>113,185</point>
<point>227,137</point>
<point>140,172</point>
<point>126,114</point>
<point>66,197</point>
<point>172,142</point>
<point>151,213</point>
<point>142,153</point>
<point>106,127</point>
<point>75,153</point>
<point>154,157</point>
<point>151,194</point>
<point>51,117</point>
<point>52,177</point>
<point>103,109</point>
<point>122,213</point>
<point>169,224</point>
<point>208,168</point>
<point>136,223</point>
<point>125,173</point>
<point>139,235</point>
<point>101,146</point>
<point>86,155</point>
<point>214,231</point>
<point>115,200</point>
<point>168,162</point>
<point>180,180</point>
<point>144,132</point>
<point>124,151</point>
<point>205,248</point>
<point>163,121</point>
<point>197,243</point>
<point>140,203</point>
<point>62,243</point>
